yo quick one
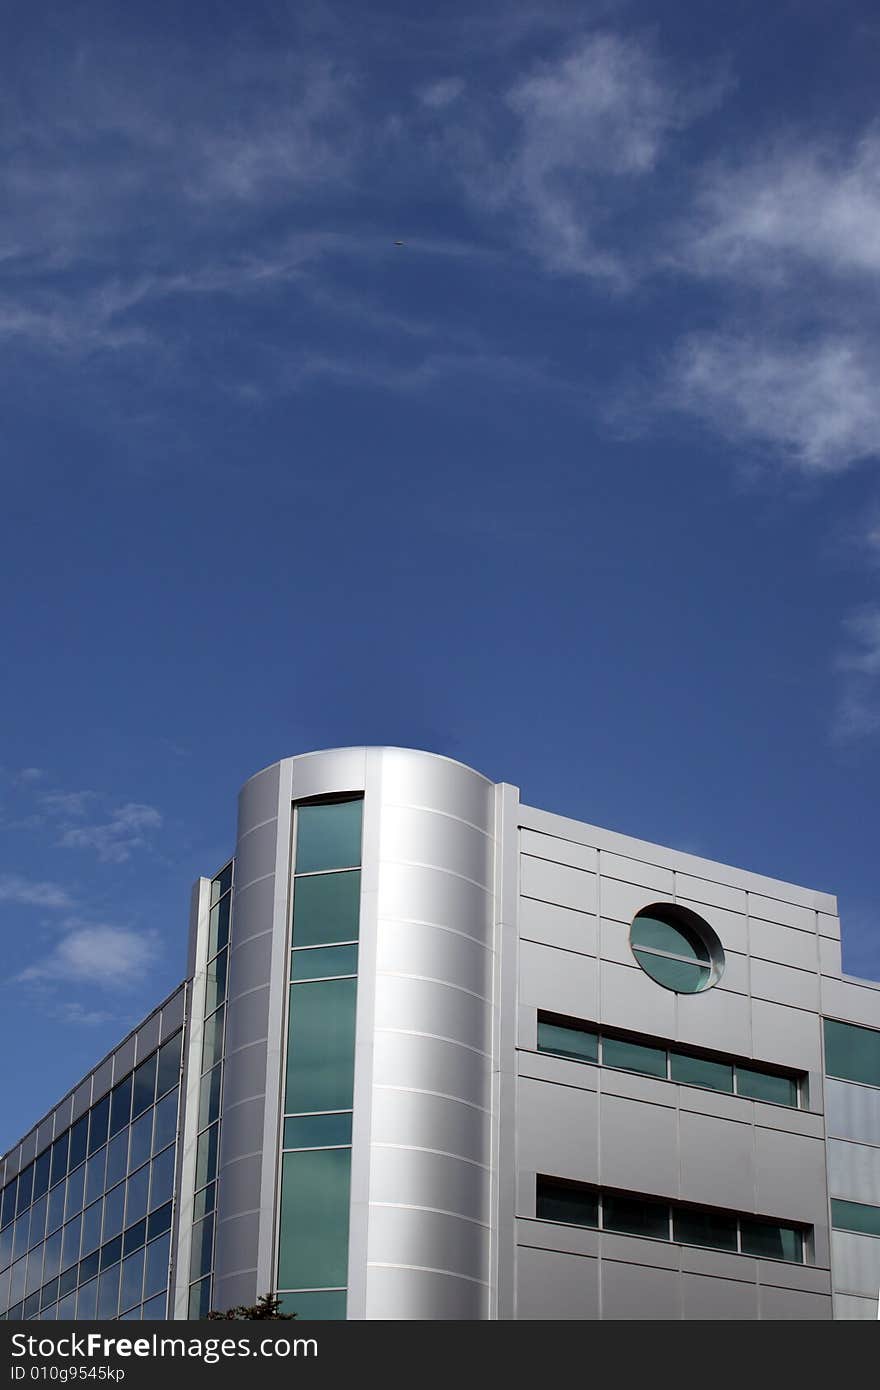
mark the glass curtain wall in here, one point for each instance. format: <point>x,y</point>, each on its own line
<point>201,1269</point>
<point>316,1138</point>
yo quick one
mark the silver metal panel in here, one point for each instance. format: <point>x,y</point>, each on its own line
<point>123,1058</point>
<point>541,1066</point>
<point>788,914</point>
<point>852,1111</point>
<point>172,1019</point>
<point>247,1018</point>
<point>558,883</point>
<point>730,1183</point>
<point>784,985</point>
<point>415,1238</point>
<point>859,1003</point>
<point>255,854</point>
<point>623,900</point>
<point>419,1120</point>
<point>731,928</point>
<point>254,909</point>
<point>430,1006</point>
<point>258,798</point>
<point>638,1146</point>
<point>792,1304</point>
<point>558,1132</point>
<point>709,893</point>
<point>791,1037</point>
<point>854,1171</point>
<point>411,835</point>
<point>855,1263</point>
<point>635,1250</point>
<point>561,851</point>
<point>416,893</point>
<point>552,1286</point>
<point>558,926</point>
<point>250,962</point>
<point>717,1299</point>
<point>147,1037</point>
<point>716,1019</point>
<point>847,1307</point>
<point>422,1295</point>
<point>408,1060</point>
<point>246,1078</point>
<point>558,981</point>
<point>406,947</point>
<point>829,925</point>
<point>631,1291</point>
<point>81,1099</point>
<point>637,871</point>
<point>829,956</point>
<point>550,1235</point>
<point>417,1178</point>
<point>627,995</point>
<point>614,942</point>
<point>785,945</point>
<point>790,1178</point>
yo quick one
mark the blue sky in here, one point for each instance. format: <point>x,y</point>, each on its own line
<point>578,485</point>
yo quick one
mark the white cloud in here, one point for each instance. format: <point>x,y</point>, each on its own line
<point>863,652</point>
<point>816,405</point>
<point>28,775</point>
<point>799,205</point>
<point>67,804</point>
<point>108,956</point>
<point>115,839</point>
<point>32,892</point>
<point>438,95</point>
<point>858,710</point>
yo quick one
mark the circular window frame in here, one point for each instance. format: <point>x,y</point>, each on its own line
<point>689,923</point>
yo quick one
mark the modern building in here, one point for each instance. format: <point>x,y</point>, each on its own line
<point>439,1054</point>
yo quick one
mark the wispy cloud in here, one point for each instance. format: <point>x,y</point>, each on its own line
<point>107,956</point>
<point>115,839</point>
<point>815,405</point>
<point>858,710</point>
<point>33,892</point>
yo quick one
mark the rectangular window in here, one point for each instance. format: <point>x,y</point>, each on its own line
<point>79,1141</point>
<point>218,926</point>
<point>144,1086</point>
<point>212,1044</point>
<point>222,883</point>
<point>580,1044</point>
<point>771,1241</point>
<point>630,1056</point>
<point>633,1216</point>
<point>120,1106</point>
<point>317,1131</point>
<point>704,1228</point>
<point>696,1071</point>
<point>852,1053</point>
<point>558,1201</point>
<point>762,1085</point>
<point>215,982</point>
<point>323,962</point>
<point>41,1173</point>
<point>855,1216</point>
<point>320,1055</point>
<point>99,1120</point>
<point>168,1071</point>
<point>206,1156</point>
<point>314,1219</point>
<point>318,1305</point>
<point>328,836</point>
<point>326,908</point>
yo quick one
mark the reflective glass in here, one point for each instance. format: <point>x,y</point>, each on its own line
<point>704,1228</point>
<point>138,1188</point>
<point>326,909</point>
<point>25,1189</point>
<point>696,1071</point>
<point>132,1280</point>
<point>16,1281</point>
<point>218,926</point>
<point>204,1201</point>
<point>114,1206</point>
<point>111,1252</point>
<point>52,1257</point>
<point>159,1221</point>
<point>212,1043</point>
<point>323,962</point>
<point>99,1121</point>
<point>321,1305</point>
<point>7,1208</point>
<point>134,1237</point>
<point>31,1306</point>
<point>200,1300</point>
<point>21,1231</point>
<point>317,1131</point>
<point>108,1293</point>
<point>761,1085</point>
<point>222,883</point>
<point>635,1217</point>
<point>79,1141</point>
<point>41,1173</point>
<point>215,982</point>
<point>162,1178</point>
<point>6,1247</point>
<point>314,1219</point>
<point>209,1096</point>
<point>75,1188</point>
<point>578,1043</point>
<point>631,1056</point>
<point>38,1220</point>
<point>50,1291</point>
<point>328,836</point>
<point>87,1302</point>
<point>852,1053</point>
<point>320,1053</point>
<point>771,1241</point>
<point>70,1242</point>
<point>95,1175</point>
<point>855,1216</point>
<point>653,933</point>
<point>156,1269</point>
<point>91,1227</point>
<point>120,1106</point>
<point>168,1073</point>
<point>679,975</point>
<point>557,1201</point>
<point>34,1277</point>
<point>141,1141</point>
<point>59,1158</point>
<point>88,1267</point>
<point>202,1248</point>
<point>144,1086</point>
<point>117,1158</point>
<point>206,1156</point>
<point>67,1307</point>
<point>165,1121</point>
<point>154,1310</point>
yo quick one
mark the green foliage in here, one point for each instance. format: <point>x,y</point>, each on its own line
<point>268,1305</point>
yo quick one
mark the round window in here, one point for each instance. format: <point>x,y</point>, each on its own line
<point>676,948</point>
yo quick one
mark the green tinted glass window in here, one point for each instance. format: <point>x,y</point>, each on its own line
<point>215,982</point>
<point>855,1216</point>
<point>222,883</point>
<point>770,1241</point>
<point>656,935</point>
<point>630,1056</point>
<point>212,1039</point>
<point>314,1219</point>
<point>761,1085</point>
<point>704,1228</point>
<point>322,1305</point>
<point>326,908</point>
<point>206,1156</point>
<point>583,1046</point>
<point>634,1217</point>
<point>317,1131</point>
<point>696,1071</point>
<point>320,1046</point>
<point>682,976</point>
<point>209,1096</point>
<point>852,1053</point>
<point>328,836</point>
<point>218,926</point>
<point>576,1206</point>
<point>323,962</point>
